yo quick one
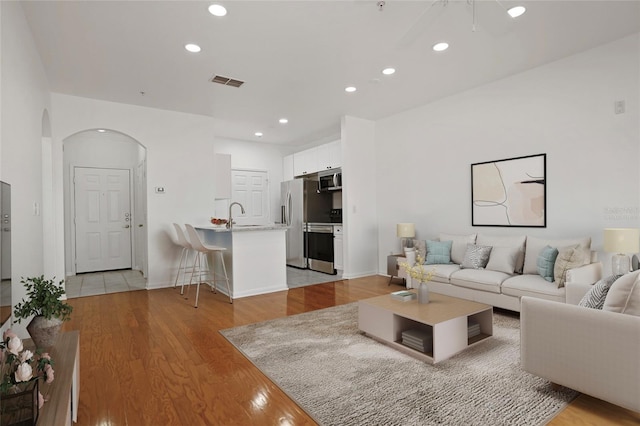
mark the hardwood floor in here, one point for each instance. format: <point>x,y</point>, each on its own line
<point>151,358</point>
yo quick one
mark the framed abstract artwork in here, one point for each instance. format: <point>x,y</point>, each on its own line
<point>510,192</point>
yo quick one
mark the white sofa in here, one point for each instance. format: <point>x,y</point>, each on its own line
<point>503,289</point>
<point>596,352</point>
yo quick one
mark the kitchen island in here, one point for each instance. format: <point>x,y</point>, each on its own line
<point>255,257</point>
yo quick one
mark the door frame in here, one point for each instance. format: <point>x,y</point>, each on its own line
<point>72,209</point>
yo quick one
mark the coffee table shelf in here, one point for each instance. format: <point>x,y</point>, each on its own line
<point>445,318</point>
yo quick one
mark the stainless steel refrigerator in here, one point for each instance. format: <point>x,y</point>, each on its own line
<point>301,202</point>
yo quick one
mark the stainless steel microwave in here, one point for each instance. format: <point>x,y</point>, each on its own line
<point>330,180</point>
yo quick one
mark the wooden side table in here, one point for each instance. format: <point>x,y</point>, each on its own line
<point>63,392</point>
<point>393,269</point>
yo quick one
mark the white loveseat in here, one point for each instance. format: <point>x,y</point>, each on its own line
<point>498,287</point>
<point>596,352</point>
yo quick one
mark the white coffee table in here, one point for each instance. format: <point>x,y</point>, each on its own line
<point>445,318</point>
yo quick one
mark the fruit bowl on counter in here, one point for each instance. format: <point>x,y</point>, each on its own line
<point>219,223</point>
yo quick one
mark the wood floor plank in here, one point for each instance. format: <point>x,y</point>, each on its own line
<point>163,362</point>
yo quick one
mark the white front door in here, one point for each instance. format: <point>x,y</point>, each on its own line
<point>250,188</point>
<point>102,219</point>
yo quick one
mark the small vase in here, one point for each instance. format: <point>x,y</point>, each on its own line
<point>423,293</point>
<point>44,332</point>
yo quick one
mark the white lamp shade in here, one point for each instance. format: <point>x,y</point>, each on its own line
<point>406,230</point>
<point>622,240</point>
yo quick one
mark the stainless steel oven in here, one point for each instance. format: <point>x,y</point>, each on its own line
<point>319,247</point>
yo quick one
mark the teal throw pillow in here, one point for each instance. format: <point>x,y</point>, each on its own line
<point>546,261</point>
<point>438,252</point>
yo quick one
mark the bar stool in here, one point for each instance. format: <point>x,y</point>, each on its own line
<point>181,240</point>
<point>202,251</point>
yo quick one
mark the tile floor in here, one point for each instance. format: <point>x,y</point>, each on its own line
<point>96,283</point>
<point>303,277</point>
<point>92,284</point>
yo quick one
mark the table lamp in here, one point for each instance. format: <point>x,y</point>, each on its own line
<point>621,241</point>
<point>406,231</point>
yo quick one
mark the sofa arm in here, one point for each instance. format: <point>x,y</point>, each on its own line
<point>592,351</point>
<point>574,292</point>
<point>587,274</point>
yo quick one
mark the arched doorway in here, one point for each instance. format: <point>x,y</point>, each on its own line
<point>104,175</point>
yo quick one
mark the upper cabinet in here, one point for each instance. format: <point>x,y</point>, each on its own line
<point>329,156</point>
<point>305,162</point>
<point>323,157</point>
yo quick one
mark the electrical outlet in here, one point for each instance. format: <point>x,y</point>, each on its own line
<point>619,107</point>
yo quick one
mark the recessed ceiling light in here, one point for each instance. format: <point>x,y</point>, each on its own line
<point>516,11</point>
<point>193,48</point>
<point>258,134</point>
<point>101,130</point>
<point>283,121</point>
<point>388,71</point>
<point>217,10</point>
<point>350,89</point>
<point>439,47</point>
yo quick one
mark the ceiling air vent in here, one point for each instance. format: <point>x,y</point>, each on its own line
<point>226,81</point>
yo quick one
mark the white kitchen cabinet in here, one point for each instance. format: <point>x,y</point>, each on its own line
<point>329,156</point>
<point>305,162</point>
<point>316,159</point>
<point>287,168</point>
<point>338,251</point>
<point>222,176</point>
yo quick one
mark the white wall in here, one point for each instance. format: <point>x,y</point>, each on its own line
<point>254,156</point>
<point>25,96</point>
<point>564,109</point>
<point>179,158</point>
<point>92,149</point>
<point>359,181</point>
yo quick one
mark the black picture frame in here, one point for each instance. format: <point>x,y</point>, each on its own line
<point>510,193</point>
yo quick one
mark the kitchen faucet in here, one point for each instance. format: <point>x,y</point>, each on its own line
<point>230,222</point>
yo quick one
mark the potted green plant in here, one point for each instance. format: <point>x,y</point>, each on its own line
<point>45,305</point>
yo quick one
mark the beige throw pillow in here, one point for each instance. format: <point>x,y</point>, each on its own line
<point>502,241</point>
<point>624,295</point>
<point>568,258</point>
<point>459,245</point>
<point>503,259</point>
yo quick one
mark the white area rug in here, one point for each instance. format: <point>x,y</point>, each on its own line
<point>341,377</point>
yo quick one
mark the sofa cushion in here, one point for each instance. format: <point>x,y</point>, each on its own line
<point>535,246</point>
<point>438,252</point>
<point>459,246</point>
<point>533,285</point>
<point>512,241</point>
<point>624,295</point>
<point>443,272</point>
<point>503,259</point>
<point>476,257</point>
<point>594,298</point>
<point>479,279</point>
<point>568,258</point>
<point>546,262</point>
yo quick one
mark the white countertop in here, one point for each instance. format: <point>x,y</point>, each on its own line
<point>243,228</point>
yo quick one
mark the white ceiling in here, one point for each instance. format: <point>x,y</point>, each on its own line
<point>297,57</point>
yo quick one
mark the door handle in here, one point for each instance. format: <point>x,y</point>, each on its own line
<point>127,226</point>
<point>140,226</point>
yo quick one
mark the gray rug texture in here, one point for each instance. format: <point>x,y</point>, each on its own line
<point>341,377</point>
